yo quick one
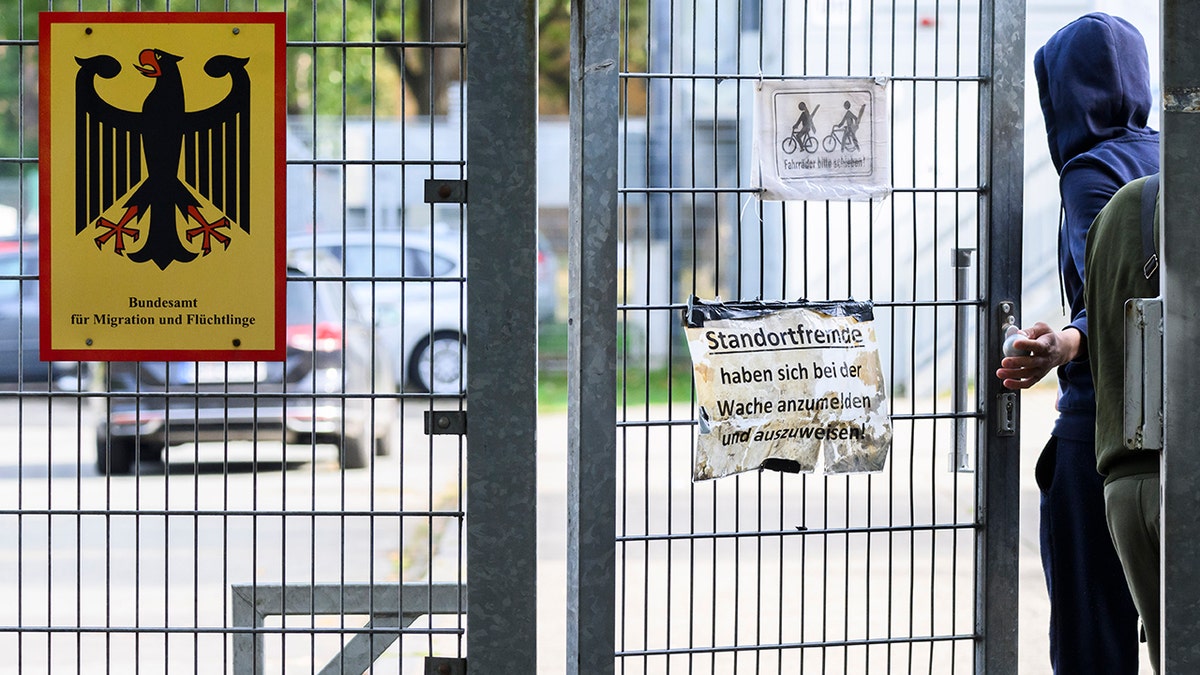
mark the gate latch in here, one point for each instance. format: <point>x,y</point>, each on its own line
<point>1006,402</point>
<point>1006,414</point>
<point>449,422</point>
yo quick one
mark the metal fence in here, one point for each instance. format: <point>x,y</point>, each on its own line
<point>906,570</point>
<point>317,523</point>
<point>263,546</point>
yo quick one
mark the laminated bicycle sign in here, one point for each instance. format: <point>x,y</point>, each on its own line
<point>822,138</point>
<point>789,386</point>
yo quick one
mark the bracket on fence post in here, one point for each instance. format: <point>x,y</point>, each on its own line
<point>449,422</point>
<point>445,191</point>
<point>1143,373</point>
<point>445,665</point>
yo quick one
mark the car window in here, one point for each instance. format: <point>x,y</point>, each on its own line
<point>416,262</point>
<point>384,260</point>
<point>321,301</point>
<point>442,265</point>
<point>328,298</point>
<point>423,262</point>
<point>299,301</point>
<point>358,261</point>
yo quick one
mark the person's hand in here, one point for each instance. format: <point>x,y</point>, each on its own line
<point>1045,349</point>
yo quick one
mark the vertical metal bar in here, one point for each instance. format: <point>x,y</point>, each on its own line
<point>502,314</point>
<point>1002,102</point>
<point>591,396</point>
<point>960,457</point>
<point>1180,286</point>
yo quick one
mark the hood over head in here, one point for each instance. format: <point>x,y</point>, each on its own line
<point>1093,79</point>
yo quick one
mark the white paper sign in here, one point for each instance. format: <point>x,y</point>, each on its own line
<point>789,386</point>
<point>822,138</point>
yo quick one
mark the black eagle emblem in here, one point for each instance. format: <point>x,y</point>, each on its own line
<point>163,160</point>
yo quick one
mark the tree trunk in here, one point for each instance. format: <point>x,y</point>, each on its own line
<point>428,71</point>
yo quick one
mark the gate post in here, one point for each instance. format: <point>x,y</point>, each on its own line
<point>1002,102</point>
<point>1180,287</point>
<point>591,397</point>
<point>502,314</point>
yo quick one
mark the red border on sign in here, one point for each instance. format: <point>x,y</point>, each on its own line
<point>45,105</point>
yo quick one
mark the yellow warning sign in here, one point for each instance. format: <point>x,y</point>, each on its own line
<point>162,174</point>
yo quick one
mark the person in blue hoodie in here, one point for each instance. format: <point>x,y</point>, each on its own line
<point>1093,79</point>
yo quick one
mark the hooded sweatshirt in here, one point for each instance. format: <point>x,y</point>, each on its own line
<point>1115,261</point>
<point>1093,79</point>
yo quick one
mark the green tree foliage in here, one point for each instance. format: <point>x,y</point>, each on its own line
<point>18,87</point>
<point>554,54</point>
<point>381,58</point>
<point>424,43</point>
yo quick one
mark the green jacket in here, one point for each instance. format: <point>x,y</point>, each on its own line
<point>1114,273</point>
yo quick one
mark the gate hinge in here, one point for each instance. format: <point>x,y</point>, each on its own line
<point>445,665</point>
<point>442,191</point>
<point>450,422</point>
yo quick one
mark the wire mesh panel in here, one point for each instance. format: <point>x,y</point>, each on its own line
<point>302,515</point>
<point>777,572</point>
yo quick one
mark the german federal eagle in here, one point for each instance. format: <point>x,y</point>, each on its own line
<point>164,163</point>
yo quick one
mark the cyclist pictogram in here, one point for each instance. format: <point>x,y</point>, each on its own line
<point>844,134</point>
<point>803,132</point>
<point>822,138</point>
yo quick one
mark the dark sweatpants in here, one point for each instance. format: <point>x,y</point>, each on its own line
<point>1093,623</point>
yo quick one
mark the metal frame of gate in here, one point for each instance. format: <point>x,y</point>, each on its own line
<point>106,573</point>
<point>910,570</point>
<point>723,576</point>
<point>244,557</point>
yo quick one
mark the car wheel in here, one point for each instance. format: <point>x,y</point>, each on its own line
<point>438,364</point>
<point>385,411</point>
<point>150,452</point>
<point>353,453</point>
<point>114,456</point>
<point>383,445</point>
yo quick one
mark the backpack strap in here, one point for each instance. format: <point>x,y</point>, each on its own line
<point>1149,202</point>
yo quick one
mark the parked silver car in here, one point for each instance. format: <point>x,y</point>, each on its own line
<point>20,359</point>
<point>413,287</point>
<point>334,386</point>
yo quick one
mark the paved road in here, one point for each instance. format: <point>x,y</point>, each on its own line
<point>1033,612</point>
<point>161,548</point>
